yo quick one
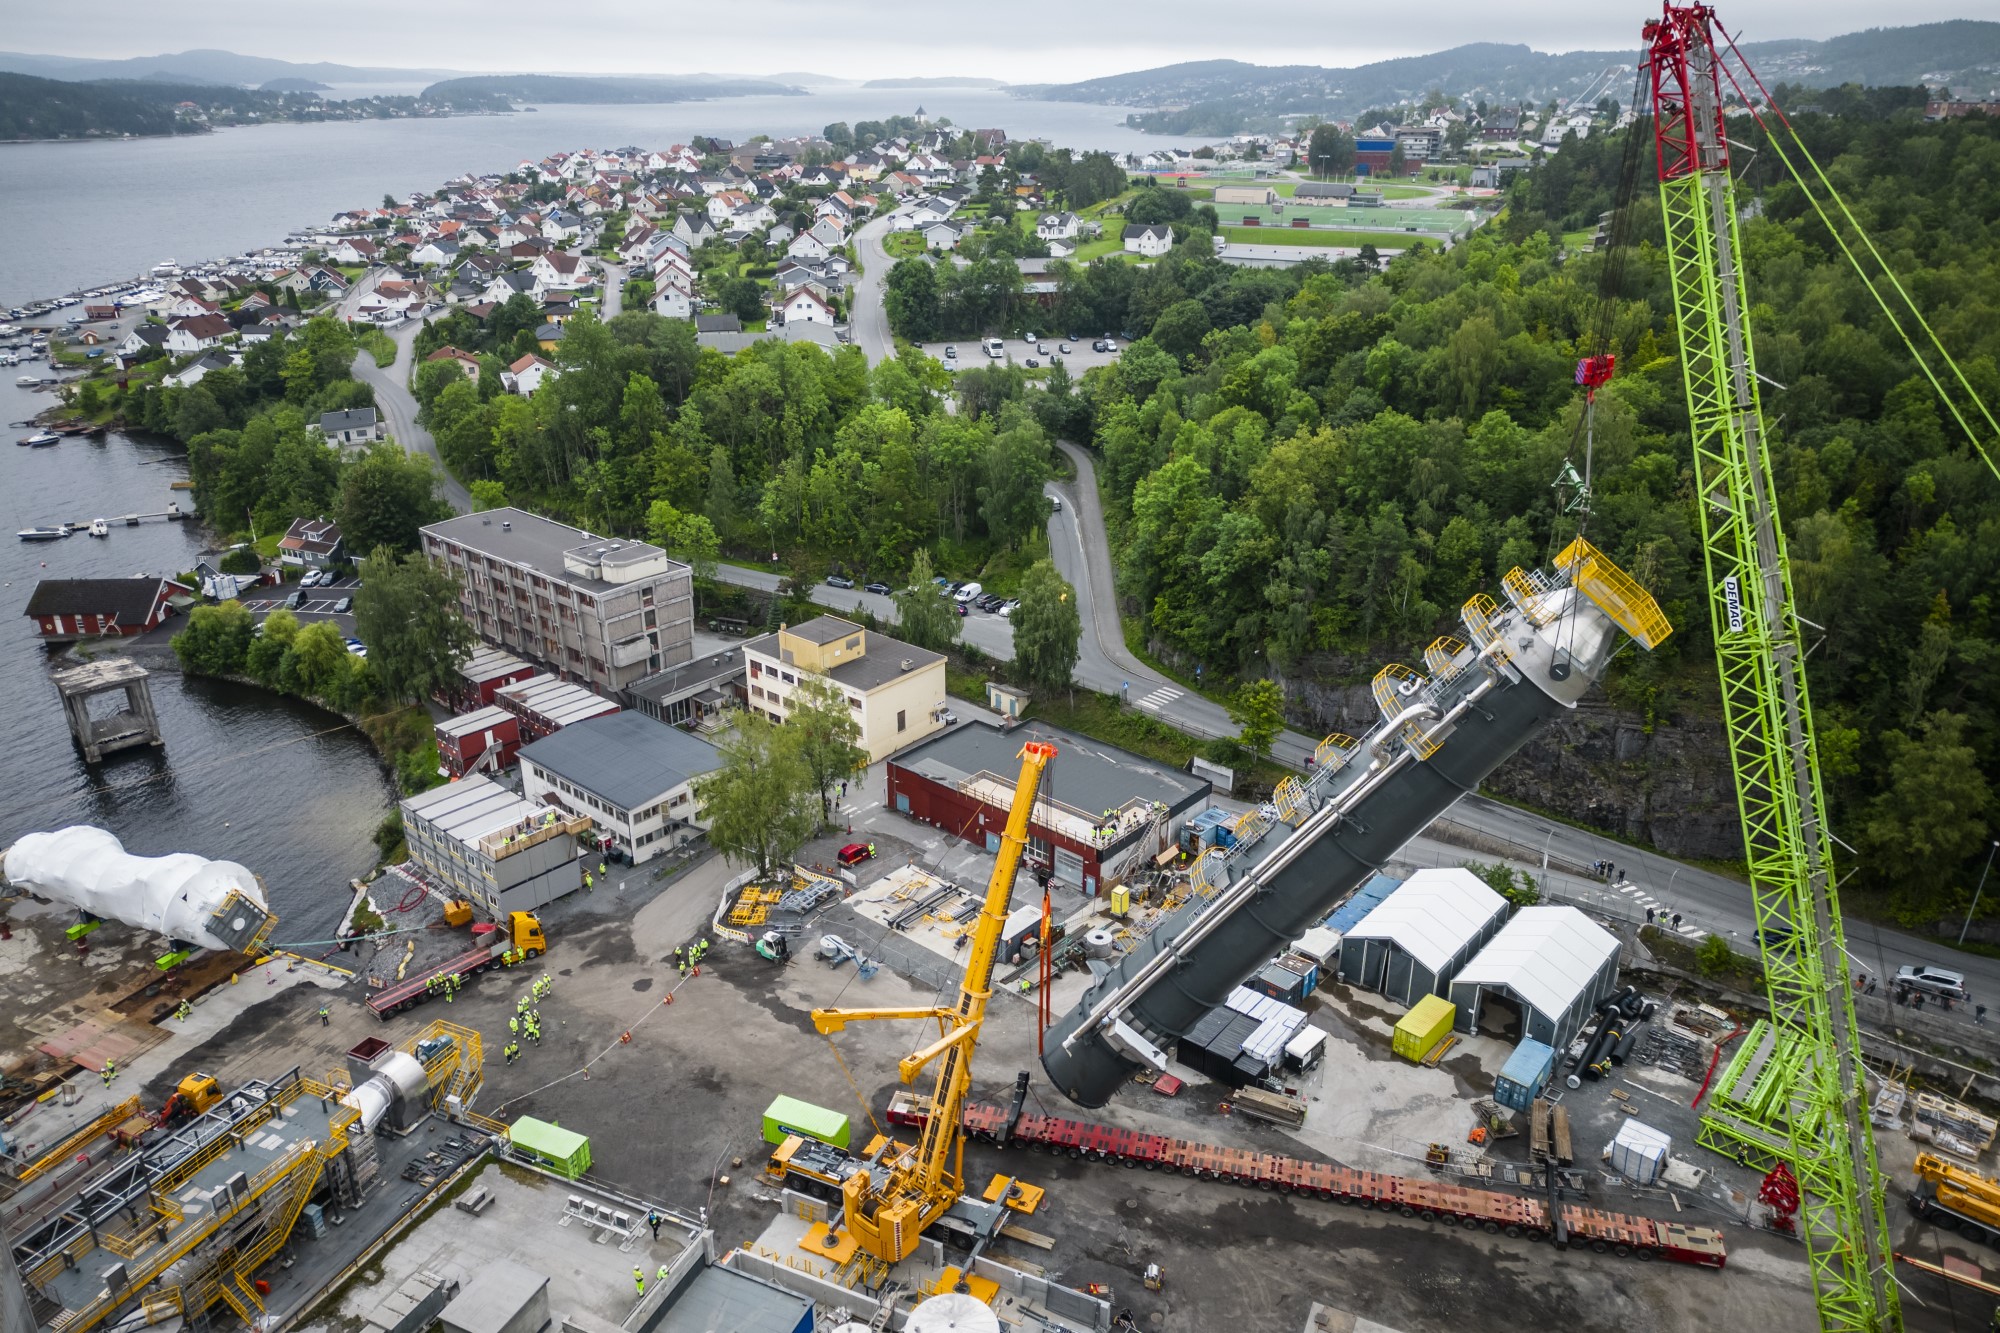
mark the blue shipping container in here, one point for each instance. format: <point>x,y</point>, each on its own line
<point>1525,1074</point>
<point>1361,902</point>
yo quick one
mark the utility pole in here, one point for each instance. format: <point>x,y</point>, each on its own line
<point>1978,891</point>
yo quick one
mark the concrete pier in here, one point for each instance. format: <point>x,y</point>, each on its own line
<point>134,724</point>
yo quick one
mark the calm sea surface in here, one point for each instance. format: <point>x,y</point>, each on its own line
<point>73,215</point>
<point>246,775</point>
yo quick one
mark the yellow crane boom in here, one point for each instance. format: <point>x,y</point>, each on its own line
<point>887,1221</point>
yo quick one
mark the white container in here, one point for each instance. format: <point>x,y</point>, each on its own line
<point>1639,1152</point>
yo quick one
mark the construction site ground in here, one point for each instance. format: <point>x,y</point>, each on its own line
<point>672,1095</point>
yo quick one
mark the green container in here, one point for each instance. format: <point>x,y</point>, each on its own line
<point>788,1116</point>
<point>563,1151</point>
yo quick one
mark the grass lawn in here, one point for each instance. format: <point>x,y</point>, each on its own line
<point>1381,240</point>
<point>378,345</point>
<point>903,244</point>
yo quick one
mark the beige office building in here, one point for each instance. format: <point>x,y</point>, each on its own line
<point>896,689</point>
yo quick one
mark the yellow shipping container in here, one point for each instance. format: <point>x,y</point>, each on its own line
<point>1423,1027</point>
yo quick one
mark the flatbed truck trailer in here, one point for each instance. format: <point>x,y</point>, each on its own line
<point>522,936</point>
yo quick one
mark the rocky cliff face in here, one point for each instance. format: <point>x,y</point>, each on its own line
<point>1669,786</point>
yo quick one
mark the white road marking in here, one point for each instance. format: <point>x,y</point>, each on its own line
<point>1160,698</point>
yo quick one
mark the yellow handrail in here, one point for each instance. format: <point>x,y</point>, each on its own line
<point>1615,593</point>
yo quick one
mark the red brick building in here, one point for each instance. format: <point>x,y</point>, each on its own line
<point>1101,814</point>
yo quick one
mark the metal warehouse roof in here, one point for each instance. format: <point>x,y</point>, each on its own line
<point>1546,955</point>
<point>1433,915</point>
<point>627,759</point>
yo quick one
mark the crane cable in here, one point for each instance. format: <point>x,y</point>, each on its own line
<point>1853,259</point>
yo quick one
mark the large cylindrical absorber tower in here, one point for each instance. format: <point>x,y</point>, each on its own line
<point>1521,664</point>
<point>394,1100</point>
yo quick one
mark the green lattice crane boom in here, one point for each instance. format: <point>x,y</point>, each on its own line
<point>1817,1116</point>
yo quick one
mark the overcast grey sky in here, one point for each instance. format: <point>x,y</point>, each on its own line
<point>882,38</point>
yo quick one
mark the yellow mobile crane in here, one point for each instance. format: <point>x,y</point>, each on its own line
<point>918,1187</point>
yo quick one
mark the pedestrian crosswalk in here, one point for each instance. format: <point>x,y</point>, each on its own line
<point>1644,899</point>
<point>1160,698</point>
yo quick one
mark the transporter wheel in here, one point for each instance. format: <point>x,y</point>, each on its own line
<point>1076,1153</point>
<point>1092,1154</point>
<point>1366,1203</point>
<point>1647,1256</point>
<point>1347,1199</point>
<point>1470,1223</point>
<point>1428,1215</point>
<point>1267,1185</point>
<point>1286,1188</point>
<point>1538,1235</point>
<point>1189,1171</point>
<point>1514,1232</point>
<point>1491,1228</point>
<point>1599,1246</point>
<point>1151,1165</point>
<point>1623,1251</point>
<point>1129,1163</point>
<point>1407,1211</point>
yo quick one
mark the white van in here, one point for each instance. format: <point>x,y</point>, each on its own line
<point>994,348</point>
<point>969,591</point>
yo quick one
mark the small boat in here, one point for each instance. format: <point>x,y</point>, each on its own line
<point>40,439</point>
<point>100,527</point>
<point>28,381</point>
<point>174,513</point>
<point>54,534</point>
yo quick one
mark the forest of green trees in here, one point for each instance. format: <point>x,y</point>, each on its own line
<point>1315,468</point>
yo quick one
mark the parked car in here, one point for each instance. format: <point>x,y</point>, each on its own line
<point>1007,607</point>
<point>1064,348</point>
<point>1041,350</point>
<point>879,588</point>
<point>1030,339</point>
<point>358,648</point>
<point>854,853</point>
<point>1033,364</point>
<point>967,591</point>
<point>1098,346</point>
<point>1931,980</point>
<point>961,608</point>
<point>951,353</point>
<point>988,602</point>
<point>1055,504</point>
<point>343,606</point>
<point>839,581</point>
<point>292,602</point>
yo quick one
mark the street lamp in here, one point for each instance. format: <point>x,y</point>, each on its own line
<point>1981,889</point>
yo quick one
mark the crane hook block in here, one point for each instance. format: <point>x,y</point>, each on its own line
<point>1593,371</point>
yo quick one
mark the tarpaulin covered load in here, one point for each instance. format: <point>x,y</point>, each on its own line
<point>187,898</point>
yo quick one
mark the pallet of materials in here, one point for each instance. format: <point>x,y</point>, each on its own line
<point>1956,1119</point>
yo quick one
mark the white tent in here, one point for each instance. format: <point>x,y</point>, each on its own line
<point>1553,963</point>
<point>1414,941</point>
<point>214,904</point>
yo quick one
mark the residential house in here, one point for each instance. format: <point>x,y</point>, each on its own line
<point>526,375</point>
<point>459,357</point>
<point>632,776</point>
<point>693,228</point>
<point>670,302</point>
<point>1057,226</point>
<point>944,235</point>
<point>1501,123</point>
<point>354,427</point>
<point>141,341</point>
<point>68,609</point>
<point>194,372</point>
<point>435,253</point>
<point>556,271</point>
<point>1062,249</point>
<point>354,250</point>
<point>930,209</point>
<point>807,245</point>
<point>190,307</point>
<point>313,543</point>
<point>895,689</point>
<point>1149,241</point>
<point>517,283</point>
<point>805,306</point>
<point>196,335</point>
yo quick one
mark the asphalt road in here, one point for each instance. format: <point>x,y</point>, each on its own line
<point>867,319</point>
<point>399,409</point>
<point>991,634</point>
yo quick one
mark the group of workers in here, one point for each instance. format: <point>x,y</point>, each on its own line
<point>446,985</point>
<point>687,957</point>
<point>526,1020</point>
<point>525,827</point>
<point>588,881</point>
<point>639,1277</point>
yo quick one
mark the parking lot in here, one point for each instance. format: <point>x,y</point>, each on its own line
<point>1078,359</point>
<point>318,603</point>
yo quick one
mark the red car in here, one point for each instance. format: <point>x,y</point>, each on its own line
<point>854,853</point>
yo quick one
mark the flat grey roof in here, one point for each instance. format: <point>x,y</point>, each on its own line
<point>627,759</point>
<point>1087,775</point>
<point>522,538</point>
<point>688,679</point>
<point>486,663</point>
<point>470,809</point>
<point>467,723</point>
<point>491,1302</point>
<point>560,701</point>
<point>721,1298</point>
<point>824,629</point>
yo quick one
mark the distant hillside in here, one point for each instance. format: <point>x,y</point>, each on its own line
<point>32,108</point>
<point>946,82</point>
<point>1216,97</point>
<point>205,67</point>
<point>554,88</point>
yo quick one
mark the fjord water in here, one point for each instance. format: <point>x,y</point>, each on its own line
<point>77,214</point>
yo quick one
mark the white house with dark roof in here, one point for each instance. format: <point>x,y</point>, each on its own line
<point>1150,241</point>
<point>804,306</point>
<point>354,427</point>
<point>632,776</point>
<point>312,542</point>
